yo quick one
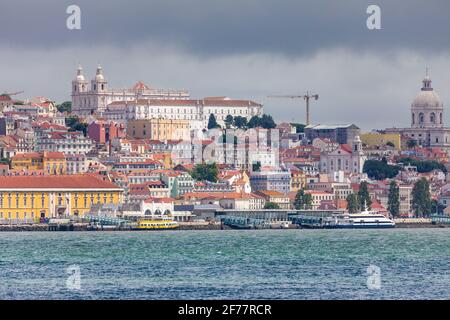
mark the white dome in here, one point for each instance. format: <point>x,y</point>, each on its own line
<point>80,76</point>
<point>427,99</point>
<point>99,75</point>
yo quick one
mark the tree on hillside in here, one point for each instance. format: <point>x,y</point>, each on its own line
<point>352,203</point>
<point>424,165</point>
<point>65,107</point>
<point>411,143</point>
<point>240,122</point>
<point>390,144</point>
<point>256,166</point>
<point>228,121</point>
<point>303,201</point>
<point>271,205</point>
<point>421,202</point>
<point>267,122</point>
<point>74,124</point>
<point>380,170</point>
<point>206,172</point>
<point>212,122</point>
<point>394,199</point>
<point>364,197</point>
<point>254,122</point>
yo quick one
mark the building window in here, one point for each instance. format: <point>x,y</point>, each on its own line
<point>421,118</point>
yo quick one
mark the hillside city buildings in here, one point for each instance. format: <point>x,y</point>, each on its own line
<point>135,152</point>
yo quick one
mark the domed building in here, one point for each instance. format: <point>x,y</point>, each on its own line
<point>427,119</point>
<point>87,100</point>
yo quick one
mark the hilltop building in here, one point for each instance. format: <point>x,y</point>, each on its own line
<point>94,99</point>
<point>427,119</point>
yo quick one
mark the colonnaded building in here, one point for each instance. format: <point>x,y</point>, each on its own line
<point>142,102</point>
<point>34,197</point>
<point>427,119</point>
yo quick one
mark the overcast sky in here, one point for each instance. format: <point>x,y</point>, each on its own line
<point>238,48</point>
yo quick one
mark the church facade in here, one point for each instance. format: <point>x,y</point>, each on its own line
<point>427,119</point>
<point>87,100</point>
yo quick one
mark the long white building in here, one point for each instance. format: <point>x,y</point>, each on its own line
<point>143,102</point>
<point>195,111</point>
<point>87,100</point>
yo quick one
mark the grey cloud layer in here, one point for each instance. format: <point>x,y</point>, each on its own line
<point>209,27</point>
<point>242,49</point>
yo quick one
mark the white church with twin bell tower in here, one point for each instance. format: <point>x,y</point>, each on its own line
<point>87,100</point>
<point>427,119</point>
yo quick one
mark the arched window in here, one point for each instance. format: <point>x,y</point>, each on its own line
<point>167,212</point>
<point>148,212</point>
<point>440,118</point>
<point>432,117</point>
<point>421,118</point>
<point>413,119</point>
<point>158,212</point>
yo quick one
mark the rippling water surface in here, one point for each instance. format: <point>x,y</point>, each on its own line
<point>272,264</point>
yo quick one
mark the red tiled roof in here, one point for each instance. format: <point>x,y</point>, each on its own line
<point>34,155</point>
<point>86,181</point>
<point>190,102</point>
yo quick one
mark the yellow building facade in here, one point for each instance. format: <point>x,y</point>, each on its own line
<point>27,161</point>
<point>49,162</point>
<point>380,139</point>
<point>159,129</point>
<point>35,197</point>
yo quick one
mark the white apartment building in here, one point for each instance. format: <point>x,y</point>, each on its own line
<point>66,142</point>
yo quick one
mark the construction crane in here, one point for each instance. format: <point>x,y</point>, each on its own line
<point>306,97</point>
<point>13,93</point>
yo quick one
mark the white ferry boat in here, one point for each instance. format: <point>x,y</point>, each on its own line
<point>363,220</point>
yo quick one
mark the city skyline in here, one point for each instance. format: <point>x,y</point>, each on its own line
<point>360,74</point>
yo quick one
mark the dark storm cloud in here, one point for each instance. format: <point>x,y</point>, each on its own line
<point>208,27</point>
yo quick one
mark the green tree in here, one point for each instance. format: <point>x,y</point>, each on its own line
<point>271,205</point>
<point>303,201</point>
<point>74,124</point>
<point>267,122</point>
<point>254,122</point>
<point>437,207</point>
<point>394,199</point>
<point>411,143</point>
<point>423,166</point>
<point>380,170</point>
<point>65,107</point>
<point>240,122</point>
<point>364,197</point>
<point>352,203</point>
<point>5,161</point>
<point>390,144</point>
<point>421,202</point>
<point>206,172</point>
<point>212,122</point>
<point>256,166</point>
<point>228,121</point>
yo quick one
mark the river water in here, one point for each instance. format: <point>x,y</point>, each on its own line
<point>260,264</point>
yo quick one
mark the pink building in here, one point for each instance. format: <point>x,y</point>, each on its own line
<point>104,131</point>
